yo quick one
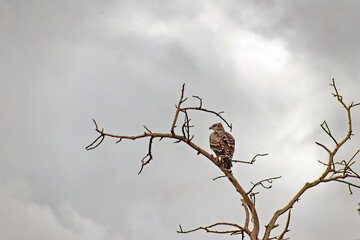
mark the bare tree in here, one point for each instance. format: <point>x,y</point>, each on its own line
<point>334,171</point>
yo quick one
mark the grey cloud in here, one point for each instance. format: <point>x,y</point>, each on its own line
<point>323,35</point>
<point>123,63</point>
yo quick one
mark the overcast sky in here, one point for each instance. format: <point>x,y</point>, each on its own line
<point>267,64</point>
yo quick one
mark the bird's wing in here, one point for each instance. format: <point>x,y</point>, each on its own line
<point>216,143</point>
<point>229,144</point>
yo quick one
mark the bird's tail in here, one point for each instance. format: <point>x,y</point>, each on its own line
<point>227,163</point>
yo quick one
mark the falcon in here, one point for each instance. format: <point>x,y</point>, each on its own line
<point>223,144</point>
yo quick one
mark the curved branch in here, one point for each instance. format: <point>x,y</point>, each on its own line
<point>149,155</point>
<point>218,114</point>
<point>329,169</point>
<point>93,145</point>
<point>252,160</point>
<point>286,229</point>
<point>323,146</point>
<point>269,180</point>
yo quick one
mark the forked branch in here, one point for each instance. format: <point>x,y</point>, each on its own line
<point>286,228</point>
<point>331,173</point>
<point>148,157</point>
<point>261,183</point>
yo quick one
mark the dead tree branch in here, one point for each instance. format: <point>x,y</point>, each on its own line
<point>252,160</point>
<point>178,109</point>
<point>209,229</point>
<point>326,129</point>
<point>149,155</point>
<point>286,228</point>
<point>261,183</point>
<point>330,174</point>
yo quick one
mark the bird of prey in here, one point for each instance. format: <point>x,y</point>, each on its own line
<point>223,144</point>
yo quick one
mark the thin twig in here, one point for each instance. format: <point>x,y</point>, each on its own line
<point>348,183</point>
<point>269,180</point>
<point>322,163</point>
<point>286,229</point>
<point>218,114</point>
<point>200,100</point>
<point>354,155</point>
<point>327,130</point>
<point>92,146</point>
<point>147,129</point>
<point>252,160</point>
<point>323,147</point>
<point>178,109</point>
<point>149,155</point>
<point>209,228</point>
<point>219,177</point>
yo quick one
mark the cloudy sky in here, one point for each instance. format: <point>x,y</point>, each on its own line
<point>267,64</point>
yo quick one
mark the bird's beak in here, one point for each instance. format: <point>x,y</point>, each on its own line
<point>210,128</point>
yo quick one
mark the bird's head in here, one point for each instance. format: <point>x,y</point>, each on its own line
<point>217,126</point>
